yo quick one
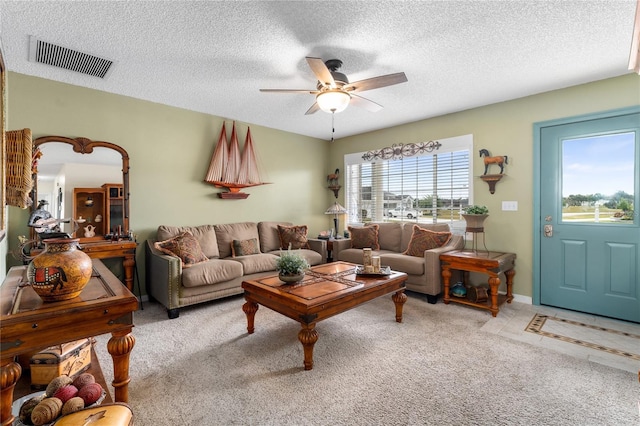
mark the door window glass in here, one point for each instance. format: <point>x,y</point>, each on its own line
<point>598,179</point>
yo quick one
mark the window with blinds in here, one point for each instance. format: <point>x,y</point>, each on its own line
<point>426,182</point>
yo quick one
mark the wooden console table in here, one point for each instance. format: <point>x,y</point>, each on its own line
<point>490,263</point>
<point>27,325</point>
<point>124,249</point>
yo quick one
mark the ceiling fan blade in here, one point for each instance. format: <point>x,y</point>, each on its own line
<point>311,92</point>
<point>376,82</point>
<point>321,71</point>
<point>365,103</point>
<point>314,108</point>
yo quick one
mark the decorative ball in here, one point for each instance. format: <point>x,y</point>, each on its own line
<point>83,379</point>
<point>65,393</point>
<point>90,393</point>
<point>56,384</point>
<point>27,408</point>
<point>46,411</point>
<point>71,406</point>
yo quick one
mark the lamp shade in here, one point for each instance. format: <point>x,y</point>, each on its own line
<point>336,208</point>
<point>333,100</point>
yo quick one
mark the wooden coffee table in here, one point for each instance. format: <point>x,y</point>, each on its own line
<point>325,291</point>
<point>27,325</point>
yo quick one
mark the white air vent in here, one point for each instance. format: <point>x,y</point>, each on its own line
<point>62,57</point>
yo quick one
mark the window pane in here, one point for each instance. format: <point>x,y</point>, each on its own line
<point>598,179</point>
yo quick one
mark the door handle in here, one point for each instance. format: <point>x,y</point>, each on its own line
<point>548,231</point>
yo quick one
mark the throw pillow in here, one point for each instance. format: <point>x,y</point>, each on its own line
<point>424,239</point>
<point>244,247</point>
<point>294,235</point>
<point>364,237</point>
<point>185,247</point>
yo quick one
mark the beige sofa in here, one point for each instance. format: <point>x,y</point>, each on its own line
<point>424,274</point>
<point>220,274</point>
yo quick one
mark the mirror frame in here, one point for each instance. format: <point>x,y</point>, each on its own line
<point>85,146</point>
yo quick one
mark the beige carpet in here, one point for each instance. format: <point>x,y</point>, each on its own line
<point>438,367</point>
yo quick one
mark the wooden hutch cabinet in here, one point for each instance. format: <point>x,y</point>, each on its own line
<point>102,208</point>
<point>89,205</point>
<point>114,208</point>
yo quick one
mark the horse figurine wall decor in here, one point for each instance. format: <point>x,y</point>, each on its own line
<point>500,160</point>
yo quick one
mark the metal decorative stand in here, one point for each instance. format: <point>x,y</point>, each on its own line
<point>474,242</point>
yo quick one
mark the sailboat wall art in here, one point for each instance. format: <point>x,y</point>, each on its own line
<point>231,169</point>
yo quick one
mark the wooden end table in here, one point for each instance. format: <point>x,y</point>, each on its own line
<point>490,263</point>
<point>27,325</point>
<point>325,291</point>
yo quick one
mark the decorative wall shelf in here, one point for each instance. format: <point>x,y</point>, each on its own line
<point>491,181</point>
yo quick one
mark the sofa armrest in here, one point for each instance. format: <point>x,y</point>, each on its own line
<point>338,245</point>
<point>319,246</point>
<point>164,276</point>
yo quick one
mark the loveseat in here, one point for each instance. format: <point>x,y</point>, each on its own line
<point>181,272</point>
<point>402,247</point>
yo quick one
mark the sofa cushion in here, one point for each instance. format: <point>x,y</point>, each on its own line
<point>183,246</point>
<point>424,239</point>
<point>390,236</point>
<point>293,237</point>
<point>226,233</point>
<point>254,263</point>
<point>364,237</point>
<point>269,237</point>
<point>244,247</point>
<point>399,262</point>
<point>212,272</point>
<point>407,232</point>
<point>355,255</point>
<point>205,234</point>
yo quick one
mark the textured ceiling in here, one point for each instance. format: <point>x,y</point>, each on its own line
<point>214,56</point>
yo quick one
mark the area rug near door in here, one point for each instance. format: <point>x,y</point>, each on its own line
<point>604,339</point>
<point>437,367</point>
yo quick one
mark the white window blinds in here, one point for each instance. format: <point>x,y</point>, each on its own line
<point>425,182</point>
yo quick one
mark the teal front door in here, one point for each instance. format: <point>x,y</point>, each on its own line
<point>589,224</point>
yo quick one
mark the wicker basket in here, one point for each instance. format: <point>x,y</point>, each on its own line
<point>19,176</point>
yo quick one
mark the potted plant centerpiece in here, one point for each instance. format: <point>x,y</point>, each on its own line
<point>475,215</point>
<point>291,266</point>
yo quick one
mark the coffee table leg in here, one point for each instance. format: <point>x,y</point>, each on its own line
<point>119,346</point>
<point>446,277</point>
<point>10,374</point>
<point>510,274</point>
<point>399,298</point>
<point>308,336</point>
<point>250,308</point>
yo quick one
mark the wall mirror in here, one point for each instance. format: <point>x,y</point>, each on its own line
<point>83,186</point>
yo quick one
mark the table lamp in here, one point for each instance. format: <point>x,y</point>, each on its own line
<point>335,209</point>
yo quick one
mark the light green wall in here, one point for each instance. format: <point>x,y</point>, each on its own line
<point>504,129</point>
<point>170,150</point>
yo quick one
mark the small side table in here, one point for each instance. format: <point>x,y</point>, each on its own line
<point>490,263</point>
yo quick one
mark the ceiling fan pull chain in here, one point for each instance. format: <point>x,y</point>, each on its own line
<point>333,127</point>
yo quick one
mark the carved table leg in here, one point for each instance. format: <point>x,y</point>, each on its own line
<point>494,283</point>
<point>119,346</point>
<point>128,263</point>
<point>308,336</point>
<point>250,308</point>
<point>510,274</point>
<point>446,276</point>
<point>399,298</point>
<point>9,375</point>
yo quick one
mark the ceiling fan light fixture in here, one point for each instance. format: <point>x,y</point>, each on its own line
<point>333,101</point>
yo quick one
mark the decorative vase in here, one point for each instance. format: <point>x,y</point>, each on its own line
<point>475,222</point>
<point>291,278</point>
<point>61,271</point>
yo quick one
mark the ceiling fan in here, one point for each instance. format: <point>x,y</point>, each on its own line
<point>334,92</point>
